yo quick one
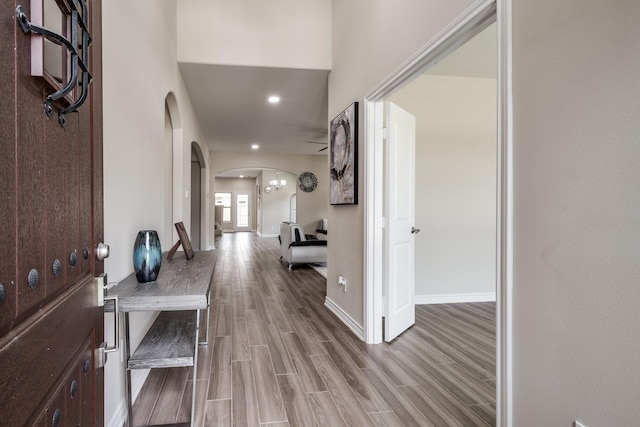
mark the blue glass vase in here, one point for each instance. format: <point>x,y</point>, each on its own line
<point>147,256</point>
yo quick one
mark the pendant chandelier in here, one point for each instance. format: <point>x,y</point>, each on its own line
<point>277,183</point>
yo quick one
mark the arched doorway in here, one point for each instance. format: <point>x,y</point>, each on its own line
<point>197,193</point>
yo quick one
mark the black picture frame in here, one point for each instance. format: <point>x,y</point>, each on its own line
<point>343,157</point>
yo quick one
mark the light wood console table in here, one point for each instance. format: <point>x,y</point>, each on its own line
<point>181,291</point>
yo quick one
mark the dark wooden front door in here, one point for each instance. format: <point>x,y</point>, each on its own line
<point>51,220</point>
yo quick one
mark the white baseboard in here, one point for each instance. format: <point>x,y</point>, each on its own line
<point>268,235</point>
<point>120,416</point>
<point>357,329</point>
<point>456,298</point>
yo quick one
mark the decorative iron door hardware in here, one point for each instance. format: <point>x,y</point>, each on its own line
<point>78,51</point>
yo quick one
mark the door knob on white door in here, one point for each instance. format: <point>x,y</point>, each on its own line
<point>415,230</point>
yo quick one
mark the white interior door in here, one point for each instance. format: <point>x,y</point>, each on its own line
<point>242,218</point>
<point>400,248</point>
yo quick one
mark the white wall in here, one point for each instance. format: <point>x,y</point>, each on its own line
<point>311,206</point>
<point>576,299</point>
<point>371,38</point>
<point>140,69</point>
<point>455,196</point>
<point>275,33</point>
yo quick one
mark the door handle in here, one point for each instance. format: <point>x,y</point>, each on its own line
<point>415,230</point>
<point>116,323</point>
<point>110,306</point>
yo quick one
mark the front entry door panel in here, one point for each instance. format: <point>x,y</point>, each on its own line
<point>50,222</point>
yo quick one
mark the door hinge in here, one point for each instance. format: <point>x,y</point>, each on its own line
<point>385,133</point>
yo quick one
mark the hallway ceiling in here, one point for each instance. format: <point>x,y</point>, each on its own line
<point>232,108</point>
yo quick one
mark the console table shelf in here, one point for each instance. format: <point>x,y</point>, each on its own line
<point>170,342</point>
<point>179,294</point>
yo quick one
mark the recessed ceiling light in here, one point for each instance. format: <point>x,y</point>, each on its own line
<point>241,176</point>
<point>274,99</point>
<point>255,146</point>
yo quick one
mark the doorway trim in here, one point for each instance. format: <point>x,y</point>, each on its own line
<point>474,19</point>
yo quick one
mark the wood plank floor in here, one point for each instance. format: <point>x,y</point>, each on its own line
<point>277,357</point>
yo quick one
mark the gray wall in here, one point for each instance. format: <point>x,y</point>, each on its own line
<point>576,74</point>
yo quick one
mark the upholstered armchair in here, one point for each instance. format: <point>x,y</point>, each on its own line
<point>321,231</point>
<point>296,248</point>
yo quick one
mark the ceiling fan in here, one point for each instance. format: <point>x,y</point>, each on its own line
<point>322,143</point>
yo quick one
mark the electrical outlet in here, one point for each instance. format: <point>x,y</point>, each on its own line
<point>578,424</point>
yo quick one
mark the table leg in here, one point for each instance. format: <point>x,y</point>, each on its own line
<point>195,370</point>
<point>206,336</point>
<point>127,388</point>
